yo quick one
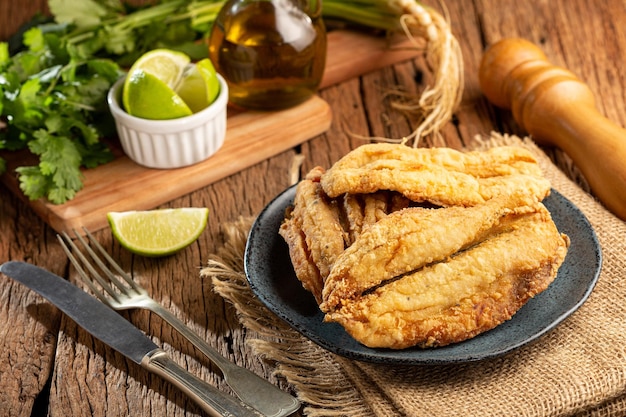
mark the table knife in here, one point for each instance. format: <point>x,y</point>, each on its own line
<point>111,328</point>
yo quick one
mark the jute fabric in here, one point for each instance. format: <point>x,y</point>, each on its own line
<point>578,369</point>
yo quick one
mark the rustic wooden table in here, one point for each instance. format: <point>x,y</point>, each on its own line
<point>49,366</point>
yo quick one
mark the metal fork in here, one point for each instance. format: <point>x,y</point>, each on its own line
<point>249,387</point>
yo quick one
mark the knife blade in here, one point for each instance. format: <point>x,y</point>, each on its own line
<point>111,328</point>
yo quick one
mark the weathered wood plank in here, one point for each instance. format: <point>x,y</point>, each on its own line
<point>29,325</point>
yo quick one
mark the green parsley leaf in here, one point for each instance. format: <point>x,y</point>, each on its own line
<point>33,38</point>
<point>59,195</point>
<point>32,182</point>
<point>81,13</point>
<point>27,109</point>
<point>59,161</point>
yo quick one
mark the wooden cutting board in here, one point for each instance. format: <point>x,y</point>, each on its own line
<point>251,137</point>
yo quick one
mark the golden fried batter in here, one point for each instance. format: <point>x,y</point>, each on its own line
<point>503,160</point>
<point>314,233</point>
<point>362,210</point>
<point>412,238</point>
<point>441,176</point>
<point>456,299</point>
<point>396,275</point>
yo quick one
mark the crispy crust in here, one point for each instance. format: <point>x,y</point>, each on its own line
<point>453,300</point>
<point>503,160</point>
<point>395,273</point>
<point>314,233</point>
<point>412,238</point>
<point>440,176</point>
<point>364,210</point>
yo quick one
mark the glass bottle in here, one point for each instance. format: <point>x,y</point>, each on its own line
<point>271,52</point>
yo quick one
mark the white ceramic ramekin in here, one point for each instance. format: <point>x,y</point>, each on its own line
<point>171,143</point>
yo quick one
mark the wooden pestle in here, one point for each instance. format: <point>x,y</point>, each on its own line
<point>557,109</point>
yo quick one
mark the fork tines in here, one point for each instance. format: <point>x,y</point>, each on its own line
<point>85,268</point>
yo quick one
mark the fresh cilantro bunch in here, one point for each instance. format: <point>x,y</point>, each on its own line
<point>53,91</point>
<point>51,99</point>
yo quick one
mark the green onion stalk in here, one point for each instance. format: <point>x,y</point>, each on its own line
<point>428,30</point>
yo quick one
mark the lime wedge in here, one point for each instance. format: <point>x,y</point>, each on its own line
<point>199,86</point>
<point>158,232</point>
<point>148,97</point>
<point>163,85</point>
<point>165,64</point>
<point>149,89</point>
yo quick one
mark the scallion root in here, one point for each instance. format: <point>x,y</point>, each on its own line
<point>429,31</point>
<point>438,101</point>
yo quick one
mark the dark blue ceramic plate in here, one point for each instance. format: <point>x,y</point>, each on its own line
<point>272,279</point>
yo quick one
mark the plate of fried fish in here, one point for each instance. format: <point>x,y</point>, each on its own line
<point>400,255</point>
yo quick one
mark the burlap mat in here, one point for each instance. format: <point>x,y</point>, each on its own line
<point>577,369</point>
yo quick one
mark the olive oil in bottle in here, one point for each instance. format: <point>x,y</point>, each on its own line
<point>271,52</point>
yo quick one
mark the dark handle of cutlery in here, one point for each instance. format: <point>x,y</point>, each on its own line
<point>213,401</point>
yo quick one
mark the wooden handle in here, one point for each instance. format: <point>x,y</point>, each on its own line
<point>556,108</point>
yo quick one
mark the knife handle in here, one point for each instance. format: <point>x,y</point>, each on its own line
<point>213,401</point>
<point>558,109</point>
<point>248,386</point>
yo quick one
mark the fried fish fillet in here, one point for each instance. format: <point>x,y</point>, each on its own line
<point>455,299</point>
<point>395,275</point>
<point>502,160</point>
<point>362,210</point>
<point>317,228</point>
<point>314,233</point>
<point>411,239</point>
<point>442,176</point>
